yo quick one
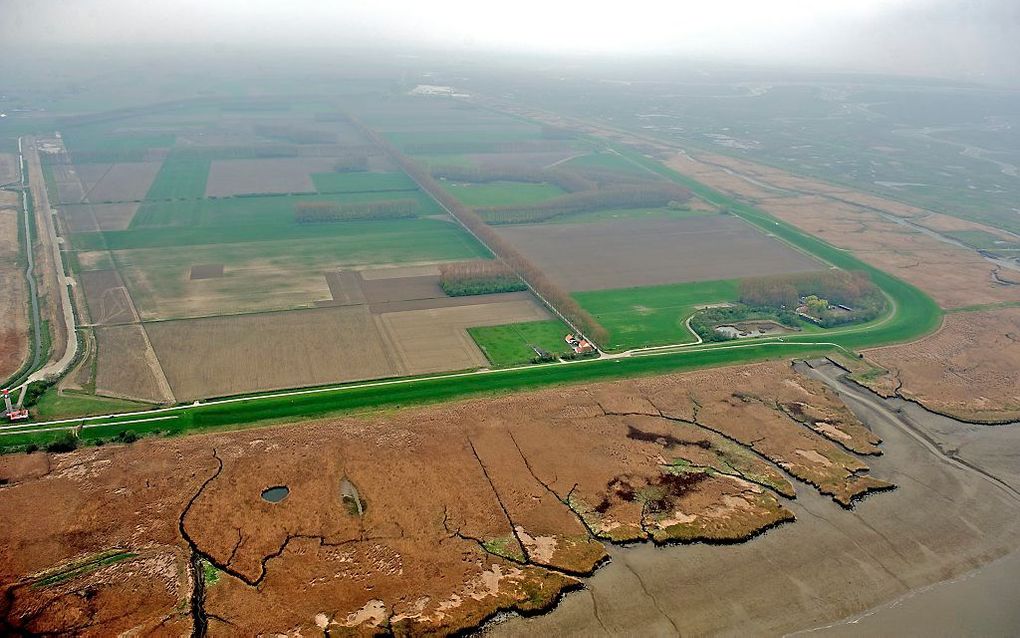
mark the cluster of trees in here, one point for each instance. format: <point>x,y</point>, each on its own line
<point>652,196</point>
<point>479,277</point>
<point>557,298</point>
<point>854,290</point>
<point>567,180</point>
<point>705,322</point>
<point>315,212</point>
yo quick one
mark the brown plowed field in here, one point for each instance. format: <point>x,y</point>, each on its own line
<point>14,319</point>
<point>402,289</point>
<point>127,182</point>
<point>277,175</point>
<point>126,367</point>
<point>952,275</point>
<point>461,507</point>
<point>436,339</point>
<point>970,369</point>
<point>625,254</point>
<point>219,356</point>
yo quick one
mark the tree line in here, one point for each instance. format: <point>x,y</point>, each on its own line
<point>652,196</point>
<point>317,212</point>
<point>479,277</point>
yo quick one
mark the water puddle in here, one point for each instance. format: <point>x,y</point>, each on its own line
<point>275,494</point>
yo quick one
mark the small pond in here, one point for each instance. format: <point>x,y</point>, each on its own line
<point>275,494</point>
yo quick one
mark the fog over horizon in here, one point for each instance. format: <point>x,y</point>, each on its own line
<point>975,40</point>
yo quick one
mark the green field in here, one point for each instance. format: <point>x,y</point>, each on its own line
<point>502,193</point>
<point>67,404</point>
<point>401,232</point>
<point>277,210</point>
<point>355,182</point>
<point>180,177</point>
<point>511,344</point>
<point>653,315</point>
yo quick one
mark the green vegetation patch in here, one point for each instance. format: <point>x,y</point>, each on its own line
<point>180,177</point>
<point>57,404</point>
<point>81,567</point>
<point>654,315</point>
<point>514,343</point>
<point>362,182</point>
<point>503,193</point>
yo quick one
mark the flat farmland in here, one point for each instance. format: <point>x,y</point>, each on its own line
<point>363,182</point>
<point>10,171</point>
<point>437,339</point>
<point>249,212</point>
<point>277,274</point>
<point>515,343</point>
<point>276,175</point>
<point>221,356</point>
<point>654,315</point>
<point>180,177</point>
<point>126,367</point>
<point>646,252</point>
<point>126,182</point>
<point>107,297</point>
<point>82,219</point>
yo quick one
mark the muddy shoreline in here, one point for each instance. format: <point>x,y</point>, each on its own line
<point>954,513</point>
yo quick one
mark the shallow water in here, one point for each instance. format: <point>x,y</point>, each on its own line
<point>275,494</point>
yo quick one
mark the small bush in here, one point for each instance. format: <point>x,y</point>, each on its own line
<point>66,443</point>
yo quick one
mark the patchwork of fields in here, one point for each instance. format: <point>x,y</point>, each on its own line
<point>203,274</point>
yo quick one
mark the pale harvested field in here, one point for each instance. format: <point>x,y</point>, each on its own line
<point>969,369</point>
<point>625,254</point>
<point>128,182</point>
<point>10,168</point>
<point>161,285</point>
<point>13,299</point>
<point>436,339</point>
<point>9,199</point>
<point>107,298</point>
<point>220,356</point>
<point>952,275</point>
<point>126,367</point>
<point>396,272</point>
<point>276,175</point>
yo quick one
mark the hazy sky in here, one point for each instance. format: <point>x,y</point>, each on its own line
<point>943,37</point>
